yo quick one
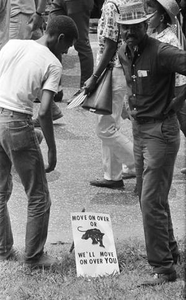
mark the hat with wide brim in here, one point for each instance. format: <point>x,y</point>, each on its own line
<point>171,7</point>
<point>132,12</point>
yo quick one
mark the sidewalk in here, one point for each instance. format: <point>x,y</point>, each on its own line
<point>79,161</point>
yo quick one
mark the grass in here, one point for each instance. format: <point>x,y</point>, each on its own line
<point>18,282</point>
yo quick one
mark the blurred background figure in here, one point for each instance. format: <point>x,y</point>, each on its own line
<point>80,12</point>
<point>95,15</point>
<point>4,21</point>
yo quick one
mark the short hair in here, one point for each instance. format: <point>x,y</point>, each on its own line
<point>62,24</point>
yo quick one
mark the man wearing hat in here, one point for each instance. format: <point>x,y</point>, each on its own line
<point>150,67</point>
<point>162,25</point>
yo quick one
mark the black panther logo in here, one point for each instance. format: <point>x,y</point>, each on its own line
<point>95,234</point>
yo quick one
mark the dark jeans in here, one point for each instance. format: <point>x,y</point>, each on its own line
<point>19,147</point>
<point>155,149</point>
<point>79,11</point>
<point>181,115</point>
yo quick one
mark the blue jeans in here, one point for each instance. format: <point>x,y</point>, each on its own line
<point>79,11</point>
<point>155,149</point>
<point>19,147</point>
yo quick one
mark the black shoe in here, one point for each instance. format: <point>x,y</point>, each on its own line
<point>128,175</point>
<point>160,279</point>
<point>45,261</point>
<point>58,97</point>
<point>111,184</point>
<point>36,100</point>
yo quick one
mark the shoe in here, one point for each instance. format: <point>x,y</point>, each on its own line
<point>160,279</point>
<point>45,261</point>
<point>59,96</point>
<point>183,171</point>
<point>55,117</point>
<point>36,100</point>
<point>128,175</point>
<point>56,112</point>
<point>111,184</point>
<point>7,255</point>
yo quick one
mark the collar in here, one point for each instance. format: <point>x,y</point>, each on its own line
<point>138,49</point>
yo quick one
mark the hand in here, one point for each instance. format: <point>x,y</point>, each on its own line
<point>52,160</point>
<point>36,21</point>
<point>173,105</point>
<point>90,85</point>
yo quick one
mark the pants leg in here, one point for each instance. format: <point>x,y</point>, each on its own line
<point>80,12</point>
<point>82,45</point>
<point>22,147</point>
<point>181,115</point>
<point>19,27</point>
<point>116,148</point>
<point>6,237</point>
<point>155,149</point>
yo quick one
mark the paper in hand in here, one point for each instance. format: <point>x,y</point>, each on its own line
<point>77,99</point>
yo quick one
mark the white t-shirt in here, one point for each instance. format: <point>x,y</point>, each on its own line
<point>26,68</point>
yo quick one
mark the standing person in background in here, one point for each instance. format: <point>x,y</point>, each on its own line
<point>79,11</point>
<point>117,149</point>
<point>18,142</point>
<point>161,27</point>
<point>4,21</point>
<point>150,67</point>
<point>25,18</point>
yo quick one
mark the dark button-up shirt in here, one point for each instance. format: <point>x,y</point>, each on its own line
<point>150,76</point>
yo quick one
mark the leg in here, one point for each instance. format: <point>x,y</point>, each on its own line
<point>27,159</point>
<point>81,16</point>
<point>6,237</point>
<point>159,146</point>
<point>19,28</point>
<point>116,148</point>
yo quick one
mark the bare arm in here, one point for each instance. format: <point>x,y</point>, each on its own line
<point>109,50</point>
<point>45,119</point>
<point>37,19</point>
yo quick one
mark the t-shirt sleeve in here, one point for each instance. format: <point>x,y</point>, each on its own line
<point>52,78</point>
<point>110,29</point>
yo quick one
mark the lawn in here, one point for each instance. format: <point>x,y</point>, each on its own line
<point>18,282</point>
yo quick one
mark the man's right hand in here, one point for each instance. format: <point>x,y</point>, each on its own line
<point>52,160</point>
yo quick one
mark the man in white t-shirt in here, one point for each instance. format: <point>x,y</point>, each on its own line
<point>27,68</point>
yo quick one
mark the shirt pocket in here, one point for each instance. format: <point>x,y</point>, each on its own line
<point>145,83</point>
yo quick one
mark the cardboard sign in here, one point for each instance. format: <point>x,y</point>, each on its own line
<point>94,244</point>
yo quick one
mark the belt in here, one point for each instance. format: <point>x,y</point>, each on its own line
<point>13,113</point>
<point>144,120</point>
